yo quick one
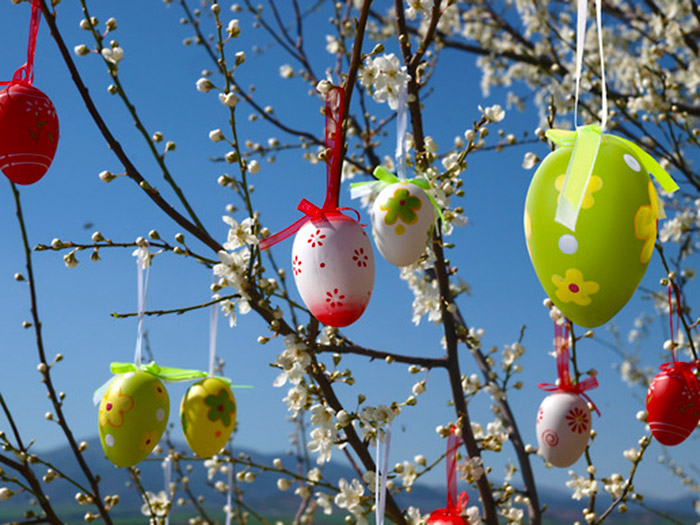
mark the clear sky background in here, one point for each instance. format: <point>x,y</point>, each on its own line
<point>159,74</point>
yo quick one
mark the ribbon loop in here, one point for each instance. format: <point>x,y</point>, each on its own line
<point>586,142</point>
<point>25,73</point>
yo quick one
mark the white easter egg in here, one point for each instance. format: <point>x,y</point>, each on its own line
<point>333,268</point>
<point>402,216</point>
<point>563,427</point>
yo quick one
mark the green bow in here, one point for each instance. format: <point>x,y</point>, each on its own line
<point>386,178</point>
<point>586,142</point>
<point>166,373</point>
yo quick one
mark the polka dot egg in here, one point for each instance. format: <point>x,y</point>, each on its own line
<point>333,267</point>
<point>133,416</point>
<point>402,216</point>
<point>208,416</point>
<point>592,272</point>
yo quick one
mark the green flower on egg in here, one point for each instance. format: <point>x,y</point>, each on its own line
<point>401,206</point>
<point>221,407</point>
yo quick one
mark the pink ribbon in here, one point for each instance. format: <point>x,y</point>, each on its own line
<point>25,74</point>
<point>335,100</point>
<point>565,384</point>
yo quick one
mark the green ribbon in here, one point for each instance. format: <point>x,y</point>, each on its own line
<point>386,178</point>
<point>166,373</point>
<point>586,141</point>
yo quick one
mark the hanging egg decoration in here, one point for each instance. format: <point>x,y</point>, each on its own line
<point>564,425</point>
<point>402,217</point>
<point>449,516</point>
<point>28,133</point>
<point>208,416</point>
<point>592,272</point>
<point>333,267</point>
<point>133,415</point>
<point>673,404</point>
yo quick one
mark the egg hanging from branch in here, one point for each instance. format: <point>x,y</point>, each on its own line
<point>564,425</point>
<point>673,403</point>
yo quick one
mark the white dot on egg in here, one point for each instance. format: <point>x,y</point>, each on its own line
<point>632,162</point>
<point>109,440</point>
<point>160,415</point>
<point>568,244</point>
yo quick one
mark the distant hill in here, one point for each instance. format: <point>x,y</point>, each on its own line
<point>264,497</point>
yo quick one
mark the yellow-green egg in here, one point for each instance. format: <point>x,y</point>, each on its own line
<point>592,272</point>
<point>133,416</point>
<point>208,416</point>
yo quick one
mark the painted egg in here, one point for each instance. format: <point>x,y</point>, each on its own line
<point>563,427</point>
<point>208,416</point>
<point>133,416</point>
<point>333,268</point>
<point>445,517</point>
<point>672,406</point>
<point>28,133</point>
<point>592,272</point>
<point>402,217</point>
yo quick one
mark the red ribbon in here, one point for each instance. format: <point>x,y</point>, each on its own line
<point>561,341</point>
<point>25,74</point>
<point>454,504</point>
<point>335,103</point>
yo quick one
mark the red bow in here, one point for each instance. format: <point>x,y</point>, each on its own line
<point>25,74</point>
<point>685,370</point>
<point>565,384</point>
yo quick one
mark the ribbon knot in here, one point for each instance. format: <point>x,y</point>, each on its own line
<point>586,141</point>
<point>25,74</point>
<point>685,370</point>
<point>565,384</point>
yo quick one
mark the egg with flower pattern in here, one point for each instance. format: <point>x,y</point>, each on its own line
<point>563,427</point>
<point>592,272</point>
<point>28,133</point>
<point>208,416</point>
<point>402,217</point>
<point>673,404</point>
<point>333,267</point>
<point>133,415</point>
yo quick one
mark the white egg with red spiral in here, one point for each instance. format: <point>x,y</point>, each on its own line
<point>333,267</point>
<point>564,425</point>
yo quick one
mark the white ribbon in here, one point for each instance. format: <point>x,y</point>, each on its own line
<point>143,258</point>
<point>229,495</point>
<point>380,477</point>
<point>401,127</point>
<point>168,471</point>
<point>213,318</point>
<point>582,17</point>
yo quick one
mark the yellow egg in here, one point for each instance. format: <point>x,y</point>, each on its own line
<point>208,416</point>
<point>133,416</point>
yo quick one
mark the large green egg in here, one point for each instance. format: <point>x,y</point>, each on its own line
<point>133,416</point>
<point>592,272</point>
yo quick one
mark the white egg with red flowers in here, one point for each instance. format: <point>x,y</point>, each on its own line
<point>402,216</point>
<point>333,267</point>
<point>564,425</point>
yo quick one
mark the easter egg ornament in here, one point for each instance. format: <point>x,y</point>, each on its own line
<point>134,404</point>
<point>403,212</point>
<point>332,257</point>
<point>453,512</point>
<point>673,398</point>
<point>564,420</point>
<point>28,121</point>
<point>208,408</point>
<point>591,217</point>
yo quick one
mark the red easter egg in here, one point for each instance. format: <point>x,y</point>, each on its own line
<point>673,404</point>
<point>333,266</point>
<point>445,517</point>
<point>28,133</point>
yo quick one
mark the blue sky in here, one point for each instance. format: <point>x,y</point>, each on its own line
<point>159,74</point>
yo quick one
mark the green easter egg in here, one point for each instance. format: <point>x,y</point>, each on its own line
<point>133,416</point>
<point>592,272</point>
<point>208,416</point>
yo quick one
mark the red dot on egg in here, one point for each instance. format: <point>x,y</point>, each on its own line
<point>574,288</point>
<point>217,433</point>
<point>108,407</point>
<point>322,265</point>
